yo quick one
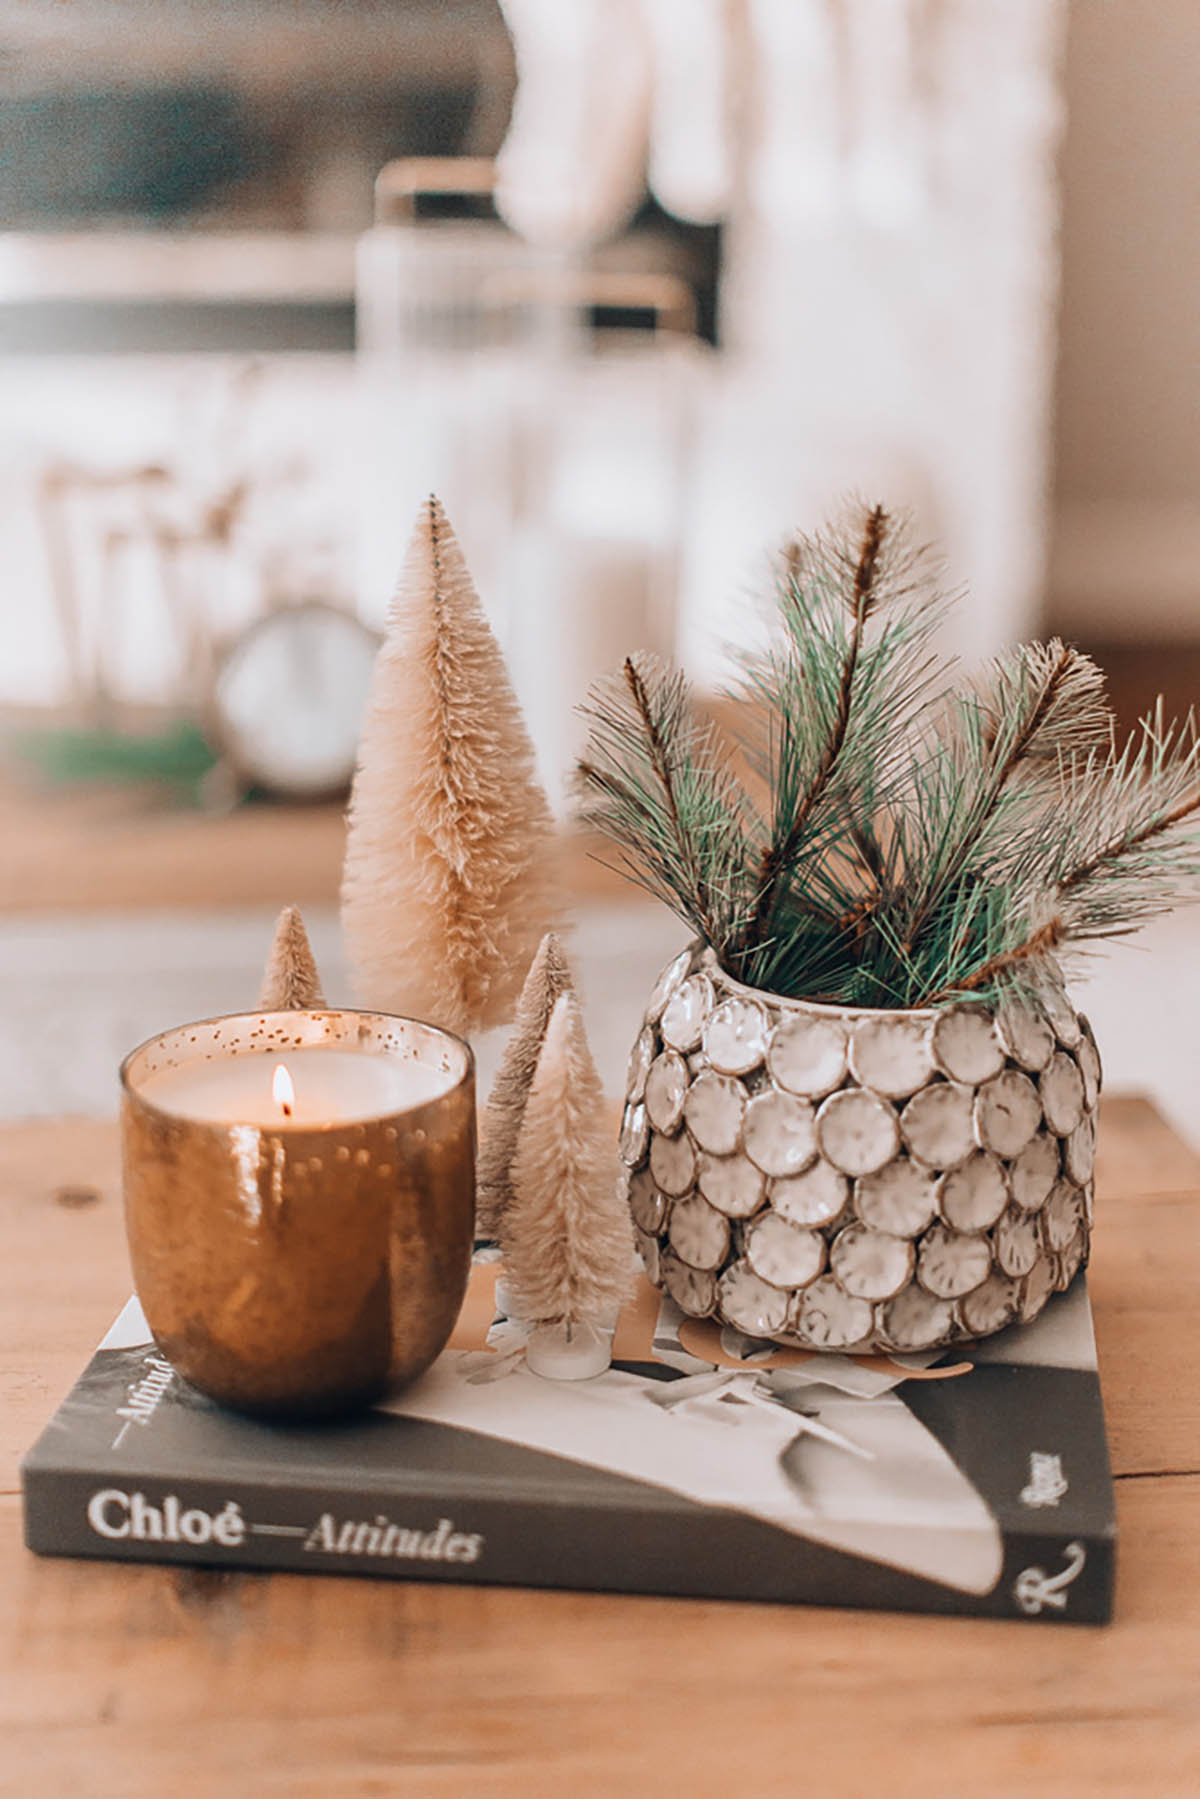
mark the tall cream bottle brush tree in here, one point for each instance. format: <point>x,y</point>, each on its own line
<point>451,874</point>
<point>565,1237</point>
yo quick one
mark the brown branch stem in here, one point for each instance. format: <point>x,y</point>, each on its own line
<point>661,761</point>
<point>778,855</point>
<point>1000,776</point>
<point>867,568</point>
<point>1122,846</point>
<point>1038,943</point>
<point>1037,718</point>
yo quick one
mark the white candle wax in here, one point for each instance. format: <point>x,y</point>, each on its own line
<point>332,1086</point>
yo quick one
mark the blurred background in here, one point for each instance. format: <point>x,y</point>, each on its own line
<point>639,287</point>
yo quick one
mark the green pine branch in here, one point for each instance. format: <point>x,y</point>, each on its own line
<point>790,821</point>
<point>658,782</point>
<point>918,841</point>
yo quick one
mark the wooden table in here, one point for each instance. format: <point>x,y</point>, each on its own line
<point>142,1680</point>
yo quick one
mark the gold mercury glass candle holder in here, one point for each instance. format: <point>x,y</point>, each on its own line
<point>300,1202</point>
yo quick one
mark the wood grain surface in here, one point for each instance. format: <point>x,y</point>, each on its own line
<point>136,1681</point>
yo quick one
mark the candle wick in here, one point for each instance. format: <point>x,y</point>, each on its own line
<point>287,1110</point>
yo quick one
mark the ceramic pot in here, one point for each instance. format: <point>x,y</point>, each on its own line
<point>857,1180</point>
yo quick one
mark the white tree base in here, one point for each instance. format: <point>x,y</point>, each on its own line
<point>562,1352</point>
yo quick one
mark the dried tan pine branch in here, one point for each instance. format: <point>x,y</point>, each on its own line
<point>1122,846</point>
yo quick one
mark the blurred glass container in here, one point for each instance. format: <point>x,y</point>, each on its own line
<point>599,500</point>
<point>437,370</point>
<point>547,405</point>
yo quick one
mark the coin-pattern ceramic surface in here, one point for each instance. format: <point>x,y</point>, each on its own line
<point>858,1180</point>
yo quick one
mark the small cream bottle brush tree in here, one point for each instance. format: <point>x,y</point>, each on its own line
<point>451,871</point>
<point>548,978</point>
<point>290,980</point>
<point>566,1238</point>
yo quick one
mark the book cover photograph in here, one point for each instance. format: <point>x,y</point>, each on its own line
<point>703,1462</point>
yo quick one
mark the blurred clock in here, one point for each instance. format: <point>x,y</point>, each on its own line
<point>288,698</point>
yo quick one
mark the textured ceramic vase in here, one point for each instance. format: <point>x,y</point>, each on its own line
<point>858,1180</point>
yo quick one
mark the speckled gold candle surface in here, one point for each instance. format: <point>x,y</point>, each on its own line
<point>299,1258</point>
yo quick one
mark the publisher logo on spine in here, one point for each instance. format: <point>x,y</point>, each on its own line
<point>1047,1483</point>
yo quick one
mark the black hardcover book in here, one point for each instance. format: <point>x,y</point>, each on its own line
<point>703,1463</point>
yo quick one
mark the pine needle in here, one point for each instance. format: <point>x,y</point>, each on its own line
<point>1129,846</point>
<point>781,852</point>
<point>841,691</point>
<point>658,782</point>
<point>1039,943</point>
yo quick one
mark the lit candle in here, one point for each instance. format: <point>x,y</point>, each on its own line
<point>283,1090</point>
<point>329,1086</point>
<point>299,1195</point>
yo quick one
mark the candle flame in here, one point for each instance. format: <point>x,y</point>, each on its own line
<point>282,1090</point>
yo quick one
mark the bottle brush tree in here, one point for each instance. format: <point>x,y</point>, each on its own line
<point>450,877</point>
<point>548,978</point>
<point>921,839</point>
<point>566,1237</point>
<point>290,980</point>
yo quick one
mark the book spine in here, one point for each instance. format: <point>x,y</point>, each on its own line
<point>532,1540</point>
<point>140,1518</point>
